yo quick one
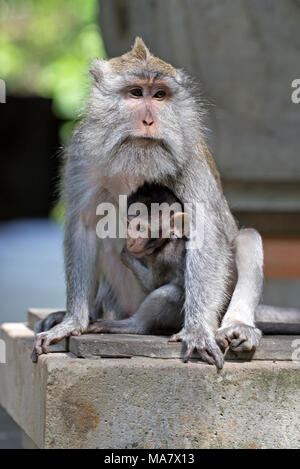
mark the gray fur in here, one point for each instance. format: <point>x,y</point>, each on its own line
<point>104,159</point>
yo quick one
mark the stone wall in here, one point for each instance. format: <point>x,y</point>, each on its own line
<point>244,54</point>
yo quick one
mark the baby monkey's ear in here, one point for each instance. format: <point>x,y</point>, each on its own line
<point>180,225</point>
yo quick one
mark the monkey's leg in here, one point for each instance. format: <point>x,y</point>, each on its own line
<point>238,325</point>
<point>104,292</point>
<point>80,260</point>
<point>161,309</point>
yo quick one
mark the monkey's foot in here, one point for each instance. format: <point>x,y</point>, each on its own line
<point>51,320</point>
<point>44,339</point>
<point>122,326</point>
<point>205,346</point>
<point>239,337</point>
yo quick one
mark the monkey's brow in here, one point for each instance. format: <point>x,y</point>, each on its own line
<point>148,75</point>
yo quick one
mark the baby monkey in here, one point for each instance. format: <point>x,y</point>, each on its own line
<point>155,253</point>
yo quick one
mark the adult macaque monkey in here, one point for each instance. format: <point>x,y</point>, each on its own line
<point>143,123</point>
<point>155,253</point>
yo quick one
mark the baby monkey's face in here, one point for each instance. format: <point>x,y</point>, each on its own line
<point>140,243</point>
<point>144,236</point>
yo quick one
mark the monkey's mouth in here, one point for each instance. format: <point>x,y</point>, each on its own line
<point>145,140</point>
<point>141,139</point>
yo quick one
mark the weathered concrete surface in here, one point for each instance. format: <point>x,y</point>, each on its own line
<point>127,345</point>
<point>10,433</point>
<point>66,402</point>
<point>22,389</point>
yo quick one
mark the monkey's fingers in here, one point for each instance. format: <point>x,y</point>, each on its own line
<point>46,345</point>
<point>176,338</point>
<point>188,353</point>
<point>41,346</point>
<point>204,355</point>
<point>217,356</point>
<point>238,341</point>
<point>240,337</point>
<point>34,356</point>
<point>38,344</point>
<point>223,343</point>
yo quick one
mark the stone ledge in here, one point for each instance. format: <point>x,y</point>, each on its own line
<point>67,402</point>
<point>128,345</point>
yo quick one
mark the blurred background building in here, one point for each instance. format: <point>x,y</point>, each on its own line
<point>245,54</point>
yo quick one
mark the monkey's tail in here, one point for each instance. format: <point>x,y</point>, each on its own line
<point>277,320</point>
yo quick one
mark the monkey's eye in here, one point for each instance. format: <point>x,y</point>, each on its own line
<point>136,92</point>
<point>161,94</point>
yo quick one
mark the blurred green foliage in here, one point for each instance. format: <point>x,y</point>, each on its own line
<point>46,47</point>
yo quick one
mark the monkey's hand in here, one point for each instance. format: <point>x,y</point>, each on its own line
<point>43,340</point>
<point>201,342</point>
<point>239,337</point>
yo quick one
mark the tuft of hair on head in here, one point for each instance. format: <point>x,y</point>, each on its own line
<point>139,50</point>
<point>139,57</point>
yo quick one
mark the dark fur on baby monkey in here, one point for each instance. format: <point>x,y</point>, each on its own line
<point>156,262</point>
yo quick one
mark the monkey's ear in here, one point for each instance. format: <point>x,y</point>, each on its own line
<point>99,68</point>
<point>139,50</point>
<point>180,225</point>
<point>181,76</point>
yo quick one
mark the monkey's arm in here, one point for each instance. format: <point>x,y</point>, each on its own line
<point>208,263</point>
<point>205,296</point>
<point>161,310</point>
<point>142,274</point>
<point>238,325</point>
<point>80,259</point>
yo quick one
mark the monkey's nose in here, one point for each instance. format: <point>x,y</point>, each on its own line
<point>148,121</point>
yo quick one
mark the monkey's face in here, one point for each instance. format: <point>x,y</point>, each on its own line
<point>140,247</point>
<point>139,241</point>
<point>142,115</point>
<point>146,101</point>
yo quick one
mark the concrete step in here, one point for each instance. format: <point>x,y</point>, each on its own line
<point>68,402</point>
<point>272,347</point>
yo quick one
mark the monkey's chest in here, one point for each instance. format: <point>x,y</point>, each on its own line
<point>162,274</point>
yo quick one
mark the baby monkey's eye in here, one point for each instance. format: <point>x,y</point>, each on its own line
<point>136,92</point>
<point>161,94</point>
